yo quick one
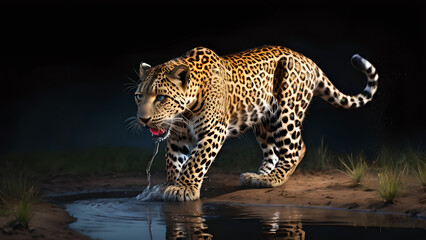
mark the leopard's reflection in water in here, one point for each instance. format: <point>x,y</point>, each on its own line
<point>184,221</point>
<point>274,228</point>
<point>190,220</point>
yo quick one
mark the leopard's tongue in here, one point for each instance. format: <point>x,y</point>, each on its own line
<point>156,131</point>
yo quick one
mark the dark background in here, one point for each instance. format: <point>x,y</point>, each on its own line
<point>64,66</point>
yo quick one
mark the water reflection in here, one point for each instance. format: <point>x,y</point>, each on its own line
<point>190,221</point>
<point>185,221</point>
<point>127,218</point>
<point>245,223</point>
<point>276,229</point>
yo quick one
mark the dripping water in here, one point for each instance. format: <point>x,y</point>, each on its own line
<point>154,193</point>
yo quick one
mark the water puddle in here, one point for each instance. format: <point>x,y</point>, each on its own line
<point>128,218</point>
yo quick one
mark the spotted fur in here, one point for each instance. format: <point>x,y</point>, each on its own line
<point>202,99</point>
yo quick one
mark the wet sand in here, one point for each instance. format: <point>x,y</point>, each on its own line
<point>318,189</point>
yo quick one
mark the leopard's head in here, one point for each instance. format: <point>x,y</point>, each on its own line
<point>162,97</point>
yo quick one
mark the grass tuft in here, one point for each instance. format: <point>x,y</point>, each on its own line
<point>420,172</point>
<point>390,182</point>
<point>22,213</point>
<point>17,194</point>
<point>319,158</point>
<point>237,158</point>
<point>98,160</point>
<point>356,169</point>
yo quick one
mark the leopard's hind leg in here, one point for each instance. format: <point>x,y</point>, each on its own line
<point>283,149</point>
<point>280,131</point>
<point>266,141</point>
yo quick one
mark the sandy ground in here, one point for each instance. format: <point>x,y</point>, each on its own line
<point>48,221</point>
<point>328,189</point>
<point>321,189</point>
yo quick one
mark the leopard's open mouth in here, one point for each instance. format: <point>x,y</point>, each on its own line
<point>159,134</point>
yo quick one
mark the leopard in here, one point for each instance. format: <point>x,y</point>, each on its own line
<point>198,100</point>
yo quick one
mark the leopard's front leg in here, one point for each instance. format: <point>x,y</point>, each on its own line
<point>178,149</point>
<point>190,178</point>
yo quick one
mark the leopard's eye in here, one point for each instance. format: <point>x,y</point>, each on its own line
<point>138,97</point>
<point>160,98</point>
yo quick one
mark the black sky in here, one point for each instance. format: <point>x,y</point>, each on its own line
<point>63,66</point>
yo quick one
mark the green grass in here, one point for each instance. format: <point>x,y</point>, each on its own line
<point>415,158</point>
<point>233,158</point>
<point>17,194</point>
<point>354,167</point>
<point>319,158</point>
<point>390,182</point>
<point>391,165</point>
<point>407,156</point>
<point>20,187</point>
<point>103,160</point>
<point>97,160</point>
<point>3,211</point>
<point>237,158</point>
<point>420,172</point>
<point>22,213</point>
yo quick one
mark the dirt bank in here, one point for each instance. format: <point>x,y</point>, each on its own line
<point>327,189</point>
<point>48,221</point>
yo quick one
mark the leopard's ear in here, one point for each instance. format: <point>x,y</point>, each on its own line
<point>179,75</point>
<point>143,69</point>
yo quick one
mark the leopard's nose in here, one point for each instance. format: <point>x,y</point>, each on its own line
<point>145,120</point>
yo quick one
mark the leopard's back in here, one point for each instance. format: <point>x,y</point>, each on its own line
<point>254,81</point>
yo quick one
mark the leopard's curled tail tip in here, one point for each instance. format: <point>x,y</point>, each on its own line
<point>360,63</point>
<point>365,66</point>
<point>370,71</point>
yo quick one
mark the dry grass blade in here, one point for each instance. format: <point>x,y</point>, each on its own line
<point>420,172</point>
<point>390,182</point>
<point>354,169</point>
<point>17,194</point>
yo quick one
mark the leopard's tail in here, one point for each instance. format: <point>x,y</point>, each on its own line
<point>327,91</point>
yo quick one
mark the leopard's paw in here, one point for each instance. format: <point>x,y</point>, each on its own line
<point>255,180</point>
<point>181,193</point>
